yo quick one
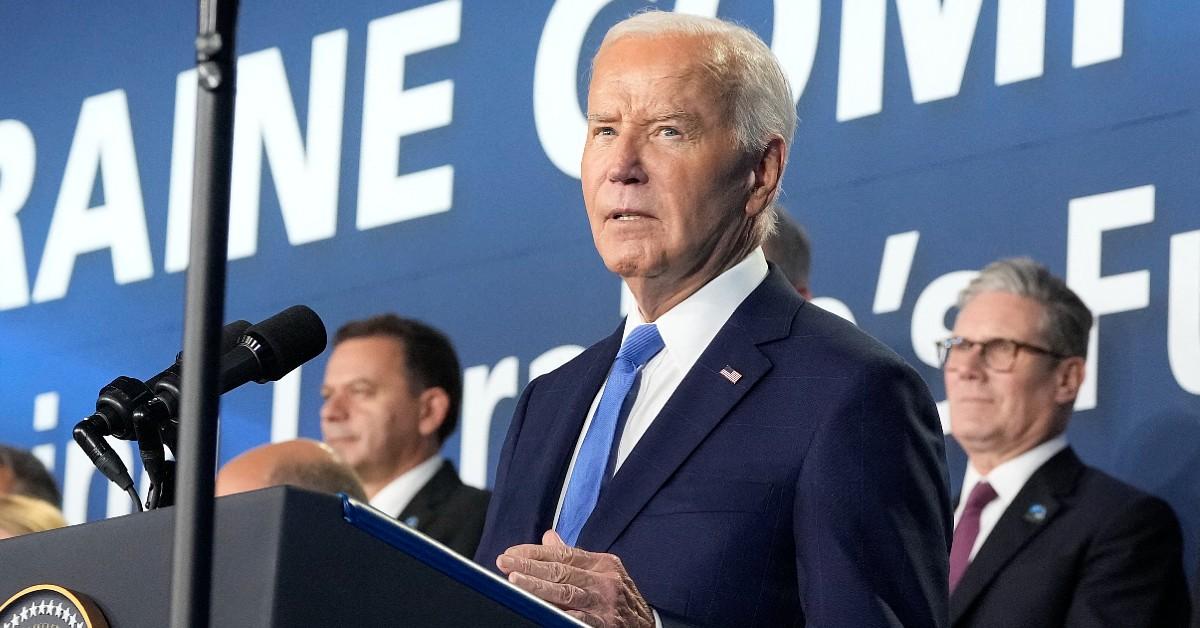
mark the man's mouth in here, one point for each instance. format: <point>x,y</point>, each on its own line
<point>626,214</point>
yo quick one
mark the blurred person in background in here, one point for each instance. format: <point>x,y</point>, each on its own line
<point>20,514</point>
<point>790,249</point>
<point>1040,538</point>
<point>392,394</point>
<point>302,462</point>
<point>22,473</point>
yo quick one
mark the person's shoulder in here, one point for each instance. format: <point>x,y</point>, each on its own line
<point>818,336</point>
<point>474,496</point>
<point>466,496</point>
<point>1103,491</point>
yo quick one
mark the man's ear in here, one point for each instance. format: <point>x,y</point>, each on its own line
<point>768,169</point>
<point>435,403</point>
<point>1068,377</point>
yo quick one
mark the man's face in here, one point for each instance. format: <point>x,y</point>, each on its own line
<point>371,416</point>
<point>667,189</point>
<point>1002,414</point>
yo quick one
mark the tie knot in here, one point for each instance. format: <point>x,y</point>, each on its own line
<point>981,496</point>
<point>641,345</point>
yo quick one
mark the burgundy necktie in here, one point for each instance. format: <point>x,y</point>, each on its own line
<point>967,531</point>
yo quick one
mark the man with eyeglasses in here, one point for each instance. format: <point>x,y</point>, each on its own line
<point>1040,539</point>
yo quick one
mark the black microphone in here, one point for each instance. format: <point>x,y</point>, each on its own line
<point>160,410</point>
<point>116,408</point>
<point>114,405</point>
<point>129,408</point>
<point>153,427</point>
<point>261,353</point>
<point>119,400</point>
<point>273,348</point>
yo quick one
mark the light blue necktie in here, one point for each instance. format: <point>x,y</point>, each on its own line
<point>584,489</point>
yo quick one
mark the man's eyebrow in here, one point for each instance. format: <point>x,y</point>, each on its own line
<point>357,381</point>
<point>669,116</point>
<point>666,116</point>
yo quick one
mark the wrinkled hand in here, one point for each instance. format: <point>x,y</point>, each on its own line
<point>591,587</point>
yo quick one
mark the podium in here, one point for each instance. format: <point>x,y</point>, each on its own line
<point>282,557</point>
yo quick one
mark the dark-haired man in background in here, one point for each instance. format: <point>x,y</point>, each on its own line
<point>392,392</point>
<point>21,473</point>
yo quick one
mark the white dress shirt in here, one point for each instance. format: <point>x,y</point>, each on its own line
<point>395,496</point>
<point>686,330</point>
<point>1007,479</point>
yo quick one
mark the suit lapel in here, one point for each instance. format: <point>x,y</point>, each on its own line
<point>701,401</point>
<point>1039,501</point>
<point>555,453</point>
<point>424,506</point>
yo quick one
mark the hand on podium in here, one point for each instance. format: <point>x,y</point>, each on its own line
<point>591,587</point>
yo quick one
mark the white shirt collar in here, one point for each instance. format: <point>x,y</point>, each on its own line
<point>689,327</point>
<point>1011,475</point>
<point>395,496</point>
<point>686,329</point>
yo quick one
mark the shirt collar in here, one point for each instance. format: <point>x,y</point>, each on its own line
<point>1009,476</point>
<point>689,327</point>
<point>396,495</point>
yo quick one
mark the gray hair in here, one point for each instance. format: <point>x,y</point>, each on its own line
<point>760,98</point>
<point>1066,320</point>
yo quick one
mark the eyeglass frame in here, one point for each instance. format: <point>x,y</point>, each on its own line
<point>945,346</point>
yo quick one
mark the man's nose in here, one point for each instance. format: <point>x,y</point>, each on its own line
<point>627,166</point>
<point>332,409</point>
<point>965,363</point>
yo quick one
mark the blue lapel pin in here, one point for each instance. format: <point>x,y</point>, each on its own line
<point>412,521</point>
<point>1036,513</point>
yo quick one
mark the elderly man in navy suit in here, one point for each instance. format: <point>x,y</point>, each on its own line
<point>1040,538</point>
<point>730,455</point>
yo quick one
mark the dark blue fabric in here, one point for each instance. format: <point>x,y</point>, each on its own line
<point>812,491</point>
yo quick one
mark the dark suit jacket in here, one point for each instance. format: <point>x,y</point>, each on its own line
<point>812,491</point>
<point>1196,600</point>
<point>449,511</point>
<point>1103,554</point>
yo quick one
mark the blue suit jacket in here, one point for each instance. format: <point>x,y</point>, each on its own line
<point>813,491</point>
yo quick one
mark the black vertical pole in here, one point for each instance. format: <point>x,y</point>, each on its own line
<point>191,579</point>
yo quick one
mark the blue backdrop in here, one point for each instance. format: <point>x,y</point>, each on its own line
<point>422,157</point>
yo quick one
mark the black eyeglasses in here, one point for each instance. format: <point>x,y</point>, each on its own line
<point>998,354</point>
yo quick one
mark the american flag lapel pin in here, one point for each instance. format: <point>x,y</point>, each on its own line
<point>730,374</point>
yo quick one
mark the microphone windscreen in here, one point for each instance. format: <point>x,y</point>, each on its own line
<point>290,338</point>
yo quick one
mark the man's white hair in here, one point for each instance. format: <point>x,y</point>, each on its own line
<point>757,91</point>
